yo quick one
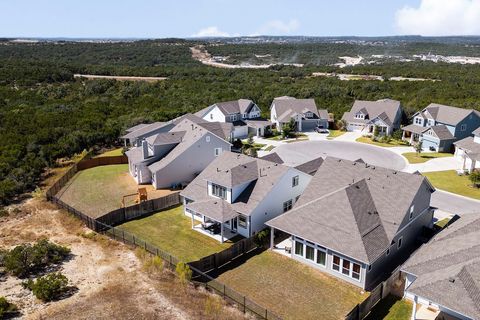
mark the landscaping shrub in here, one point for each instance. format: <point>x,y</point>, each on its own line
<point>213,306</point>
<point>3,212</point>
<point>262,238</point>
<point>397,134</point>
<point>237,144</point>
<point>6,307</point>
<point>26,259</point>
<point>49,287</point>
<point>184,272</point>
<point>475,178</point>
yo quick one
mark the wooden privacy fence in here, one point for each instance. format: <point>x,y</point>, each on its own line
<point>216,260</point>
<point>121,215</point>
<point>104,225</point>
<point>361,310</point>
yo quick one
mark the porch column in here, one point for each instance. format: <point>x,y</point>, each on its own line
<point>464,162</point>
<point>193,221</point>
<point>414,310</point>
<point>300,124</point>
<point>272,238</point>
<point>472,166</point>
<point>221,231</point>
<point>403,134</point>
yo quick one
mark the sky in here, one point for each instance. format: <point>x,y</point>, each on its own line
<point>202,18</point>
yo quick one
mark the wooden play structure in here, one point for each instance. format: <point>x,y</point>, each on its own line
<point>141,196</point>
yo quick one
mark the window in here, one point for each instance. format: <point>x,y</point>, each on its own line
<point>219,191</point>
<point>336,263</point>
<point>388,251</point>
<point>233,117</point>
<point>346,267</point>
<point>321,257</point>
<point>299,248</point>
<point>310,253</point>
<point>399,243</point>
<point>356,271</point>
<point>419,121</point>
<point>463,127</point>
<point>287,205</point>
<point>370,268</point>
<point>218,151</point>
<point>207,138</point>
<point>295,181</point>
<point>242,221</point>
<point>411,212</point>
<point>308,114</point>
<point>359,116</point>
<point>296,198</point>
<point>211,116</point>
<point>431,122</point>
<point>244,116</point>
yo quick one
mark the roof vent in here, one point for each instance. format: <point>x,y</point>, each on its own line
<point>451,279</point>
<point>394,172</point>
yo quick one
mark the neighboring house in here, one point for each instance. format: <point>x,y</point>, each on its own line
<point>244,114</point>
<point>443,276</point>
<point>236,194</point>
<point>385,114</point>
<point>175,157</point>
<point>356,221</point>
<point>468,152</point>
<point>303,111</point>
<point>136,134</point>
<point>439,126</point>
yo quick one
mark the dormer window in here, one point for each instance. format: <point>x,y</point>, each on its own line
<point>308,114</point>
<point>359,116</point>
<point>431,122</point>
<point>219,191</point>
<point>233,117</point>
<point>419,121</point>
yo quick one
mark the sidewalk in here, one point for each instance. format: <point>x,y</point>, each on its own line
<point>437,164</point>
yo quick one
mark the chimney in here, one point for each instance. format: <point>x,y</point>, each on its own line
<point>145,149</point>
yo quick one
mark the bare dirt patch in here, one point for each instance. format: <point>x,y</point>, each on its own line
<point>111,281</point>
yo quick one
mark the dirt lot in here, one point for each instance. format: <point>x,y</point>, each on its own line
<point>111,280</point>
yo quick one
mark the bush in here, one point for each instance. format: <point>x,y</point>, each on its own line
<point>237,144</point>
<point>6,307</point>
<point>262,238</point>
<point>49,287</point>
<point>184,272</point>
<point>154,265</point>
<point>26,259</point>
<point>397,134</point>
<point>213,306</point>
<point>475,178</point>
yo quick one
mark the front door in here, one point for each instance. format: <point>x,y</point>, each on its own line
<point>233,223</point>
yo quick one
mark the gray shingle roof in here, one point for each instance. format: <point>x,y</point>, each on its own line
<point>273,157</point>
<point>145,130</point>
<point>287,107</point>
<point>476,132</point>
<point>447,268</point>
<point>221,129</point>
<point>166,138</point>
<point>217,209</point>
<point>442,132</point>
<point>447,114</point>
<point>138,126</point>
<point>310,167</point>
<point>323,114</point>
<point>385,109</point>
<point>471,147</point>
<point>267,175</point>
<point>235,106</point>
<point>415,128</point>
<point>258,123</point>
<point>353,208</point>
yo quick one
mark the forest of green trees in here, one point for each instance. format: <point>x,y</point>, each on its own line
<point>46,114</point>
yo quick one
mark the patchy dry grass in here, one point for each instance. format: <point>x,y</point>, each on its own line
<point>172,231</point>
<point>450,181</point>
<point>111,153</point>
<point>392,143</point>
<point>292,289</point>
<point>413,157</point>
<point>335,133</point>
<point>391,308</point>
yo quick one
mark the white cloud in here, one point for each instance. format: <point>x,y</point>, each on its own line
<point>440,18</point>
<point>278,27</point>
<point>211,32</point>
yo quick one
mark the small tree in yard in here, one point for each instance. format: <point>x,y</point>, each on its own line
<point>375,133</point>
<point>397,135</point>
<point>475,178</point>
<point>250,139</point>
<point>184,273</point>
<point>252,152</point>
<point>419,147</point>
<point>49,287</point>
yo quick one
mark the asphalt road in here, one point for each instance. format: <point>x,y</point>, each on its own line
<point>299,152</point>
<point>454,204</point>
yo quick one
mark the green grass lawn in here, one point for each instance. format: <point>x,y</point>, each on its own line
<point>96,191</point>
<point>269,148</point>
<point>442,223</point>
<point>292,289</point>
<point>450,181</point>
<point>412,157</point>
<point>171,231</point>
<point>392,143</point>
<point>335,133</point>
<point>111,153</point>
<point>391,308</point>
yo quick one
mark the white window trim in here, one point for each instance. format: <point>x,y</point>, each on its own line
<point>340,271</point>
<point>295,181</point>
<point>207,138</point>
<point>463,127</point>
<point>223,188</point>
<point>315,247</point>
<point>218,151</point>
<point>290,205</point>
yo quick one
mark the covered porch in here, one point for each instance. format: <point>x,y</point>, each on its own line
<point>412,133</point>
<point>218,220</point>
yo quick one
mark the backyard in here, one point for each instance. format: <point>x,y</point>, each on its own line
<point>391,308</point>
<point>112,153</point>
<point>291,289</point>
<point>391,143</point>
<point>98,190</point>
<point>450,181</point>
<point>413,157</point>
<point>171,230</point>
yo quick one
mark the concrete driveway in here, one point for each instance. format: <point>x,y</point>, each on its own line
<point>299,152</point>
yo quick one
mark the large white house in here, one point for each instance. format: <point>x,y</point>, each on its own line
<point>385,114</point>
<point>244,114</point>
<point>237,194</point>
<point>303,111</point>
<point>467,151</point>
<point>175,157</point>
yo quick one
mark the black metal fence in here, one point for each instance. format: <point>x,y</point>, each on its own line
<point>200,278</point>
